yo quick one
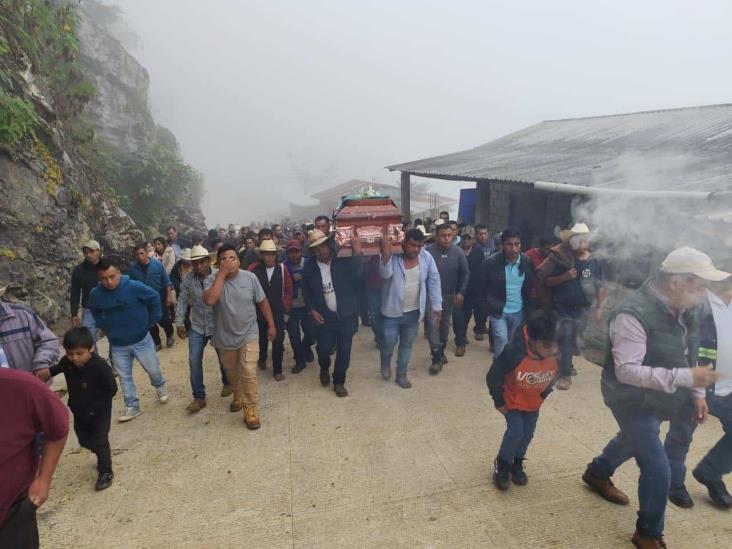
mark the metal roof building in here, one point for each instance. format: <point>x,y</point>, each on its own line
<point>684,152</point>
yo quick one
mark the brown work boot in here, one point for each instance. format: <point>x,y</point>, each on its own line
<point>604,487</point>
<point>340,390</point>
<point>262,364</point>
<point>324,376</point>
<point>226,391</point>
<point>460,350</point>
<point>647,542</point>
<point>235,406</point>
<point>197,405</point>
<point>250,418</point>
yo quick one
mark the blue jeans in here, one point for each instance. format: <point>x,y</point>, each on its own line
<point>661,465</point>
<point>503,327</point>
<point>87,320</point>
<point>144,352</point>
<point>377,319</point>
<point>718,461</point>
<point>520,427</point>
<point>404,328</point>
<point>196,344</point>
<point>338,334</point>
<point>299,331</point>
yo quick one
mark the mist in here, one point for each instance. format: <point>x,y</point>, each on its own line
<point>274,100</point>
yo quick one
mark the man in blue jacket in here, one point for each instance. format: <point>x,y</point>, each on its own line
<point>330,287</point>
<point>151,272</point>
<point>408,280</point>
<point>125,309</point>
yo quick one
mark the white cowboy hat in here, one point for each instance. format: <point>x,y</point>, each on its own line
<point>577,228</point>
<point>199,252</point>
<point>185,254</point>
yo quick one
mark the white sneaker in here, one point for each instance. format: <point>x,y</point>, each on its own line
<point>162,394</point>
<point>130,413</point>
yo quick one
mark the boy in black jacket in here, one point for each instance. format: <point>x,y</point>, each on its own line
<point>91,386</point>
<point>519,380</point>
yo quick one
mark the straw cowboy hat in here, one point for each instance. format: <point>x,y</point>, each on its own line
<point>316,237</point>
<point>185,254</point>
<point>423,230</point>
<point>267,246</point>
<point>199,252</point>
<point>577,229</point>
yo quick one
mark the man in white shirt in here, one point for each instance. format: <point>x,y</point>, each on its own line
<point>716,349</point>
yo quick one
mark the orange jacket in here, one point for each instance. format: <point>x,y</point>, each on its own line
<point>519,379</point>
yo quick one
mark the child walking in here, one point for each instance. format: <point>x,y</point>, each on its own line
<point>519,380</point>
<point>91,385</point>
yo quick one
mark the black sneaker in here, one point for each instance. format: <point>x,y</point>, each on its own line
<point>501,471</point>
<point>309,356</point>
<point>169,342</point>
<point>681,498</point>
<point>104,481</point>
<point>435,367</point>
<point>518,475</point>
<point>298,367</point>
<point>717,491</point>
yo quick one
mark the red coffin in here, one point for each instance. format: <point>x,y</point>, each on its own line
<point>369,216</point>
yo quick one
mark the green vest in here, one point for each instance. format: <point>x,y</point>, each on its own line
<point>664,349</point>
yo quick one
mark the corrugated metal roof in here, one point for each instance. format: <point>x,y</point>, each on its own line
<point>682,149</point>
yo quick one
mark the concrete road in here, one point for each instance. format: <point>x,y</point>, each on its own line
<point>385,467</point>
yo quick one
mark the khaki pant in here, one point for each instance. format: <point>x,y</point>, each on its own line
<point>241,370</point>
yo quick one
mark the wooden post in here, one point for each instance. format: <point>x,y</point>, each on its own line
<point>406,198</point>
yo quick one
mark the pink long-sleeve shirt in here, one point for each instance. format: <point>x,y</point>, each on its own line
<point>629,348</point>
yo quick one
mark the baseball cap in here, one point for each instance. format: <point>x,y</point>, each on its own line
<point>468,231</point>
<point>691,261</point>
<point>91,244</point>
<point>293,245</point>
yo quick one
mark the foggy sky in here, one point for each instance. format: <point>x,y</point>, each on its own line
<point>266,95</point>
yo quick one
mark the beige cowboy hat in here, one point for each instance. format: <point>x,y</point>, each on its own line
<point>576,229</point>
<point>267,246</point>
<point>199,252</point>
<point>423,230</point>
<point>185,254</point>
<point>316,237</point>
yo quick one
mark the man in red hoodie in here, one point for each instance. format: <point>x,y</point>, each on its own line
<point>519,380</point>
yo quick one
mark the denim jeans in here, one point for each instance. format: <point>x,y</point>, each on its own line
<point>144,352</point>
<point>299,330</point>
<point>661,466</point>
<point>571,326</point>
<point>196,344</point>
<point>377,319</point>
<point>338,333</point>
<point>404,328</point>
<point>87,320</point>
<point>520,427</point>
<point>718,461</point>
<point>503,328</point>
<point>439,331</point>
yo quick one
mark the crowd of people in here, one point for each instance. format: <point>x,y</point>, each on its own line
<point>246,291</point>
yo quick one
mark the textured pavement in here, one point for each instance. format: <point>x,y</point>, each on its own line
<point>385,467</point>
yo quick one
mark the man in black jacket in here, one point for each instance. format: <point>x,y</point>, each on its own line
<point>330,288</point>
<point>505,285</point>
<point>83,280</point>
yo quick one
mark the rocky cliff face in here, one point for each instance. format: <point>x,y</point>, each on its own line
<point>53,195</point>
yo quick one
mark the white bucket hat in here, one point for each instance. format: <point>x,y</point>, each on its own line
<point>688,260</point>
